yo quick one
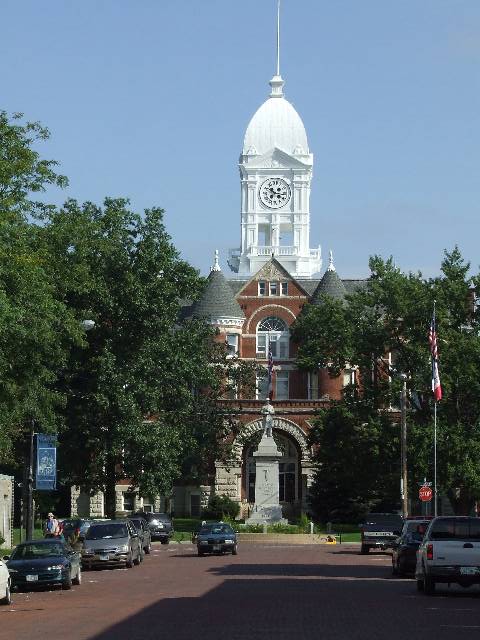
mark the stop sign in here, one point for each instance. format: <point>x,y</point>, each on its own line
<point>425,493</point>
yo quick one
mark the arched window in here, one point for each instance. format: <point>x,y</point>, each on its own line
<point>273,335</point>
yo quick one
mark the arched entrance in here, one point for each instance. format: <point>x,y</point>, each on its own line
<point>289,469</point>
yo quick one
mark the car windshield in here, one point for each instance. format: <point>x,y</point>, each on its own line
<point>216,528</point>
<point>453,529</point>
<point>390,519</point>
<point>103,531</point>
<point>137,523</point>
<point>31,551</point>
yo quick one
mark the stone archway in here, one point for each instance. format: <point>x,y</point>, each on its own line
<point>230,478</point>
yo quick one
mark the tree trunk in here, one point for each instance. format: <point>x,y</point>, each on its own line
<point>110,493</point>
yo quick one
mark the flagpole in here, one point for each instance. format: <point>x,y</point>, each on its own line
<point>435,455</point>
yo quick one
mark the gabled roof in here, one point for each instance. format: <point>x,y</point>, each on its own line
<point>217,300</point>
<point>272,270</point>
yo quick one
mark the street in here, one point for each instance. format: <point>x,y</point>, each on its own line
<point>294,592</point>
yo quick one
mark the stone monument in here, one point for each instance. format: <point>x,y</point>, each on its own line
<point>267,508</point>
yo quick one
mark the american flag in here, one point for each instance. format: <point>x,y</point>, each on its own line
<point>432,338</point>
<point>270,366</point>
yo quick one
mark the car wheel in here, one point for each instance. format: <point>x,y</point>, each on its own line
<point>419,585</point>
<point>78,577</point>
<point>200,553</point>
<point>148,549</point>
<point>428,585</point>
<point>8,596</point>
<point>364,549</point>
<point>234,550</point>
<point>67,584</point>
<point>165,541</point>
<point>129,562</point>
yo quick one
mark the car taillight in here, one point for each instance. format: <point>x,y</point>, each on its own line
<point>429,551</point>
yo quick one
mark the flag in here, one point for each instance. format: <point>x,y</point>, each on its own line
<point>270,374</point>
<point>432,338</point>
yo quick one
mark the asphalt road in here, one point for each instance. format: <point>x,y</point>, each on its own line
<point>294,592</point>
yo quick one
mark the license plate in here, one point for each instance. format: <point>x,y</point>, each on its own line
<point>104,556</point>
<point>32,578</point>
<point>468,571</point>
<point>216,547</point>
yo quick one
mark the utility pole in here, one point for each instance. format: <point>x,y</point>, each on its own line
<point>403,446</point>
<point>29,515</point>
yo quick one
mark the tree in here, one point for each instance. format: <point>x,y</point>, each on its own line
<point>385,325</point>
<point>36,328</point>
<point>141,396</point>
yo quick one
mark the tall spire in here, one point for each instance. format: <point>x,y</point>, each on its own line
<point>277,82</point>
<point>278,38</point>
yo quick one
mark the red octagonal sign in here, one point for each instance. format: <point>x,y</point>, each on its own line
<point>425,493</point>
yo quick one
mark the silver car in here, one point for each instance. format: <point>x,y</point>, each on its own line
<point>111,543</point>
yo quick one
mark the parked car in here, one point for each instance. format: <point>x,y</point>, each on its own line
<point>74,529</point>
<point>404,549</point>
<point>111,543</point>
<point>216,537</point>
<point>379,531</point>
<point>160,525</point>
<point>143,531</point>
<point>449,553</point>
<point>49,562</point>
<point>5,584</point>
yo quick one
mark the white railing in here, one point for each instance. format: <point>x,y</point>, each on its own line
<point>257,250</point>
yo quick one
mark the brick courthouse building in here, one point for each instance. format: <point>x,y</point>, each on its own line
<point>276,275</point>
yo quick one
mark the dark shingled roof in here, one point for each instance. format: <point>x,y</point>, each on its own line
<point>331,285</point>
<point>217,301</point>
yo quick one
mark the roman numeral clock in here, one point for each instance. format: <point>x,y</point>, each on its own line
<point>275,193</point>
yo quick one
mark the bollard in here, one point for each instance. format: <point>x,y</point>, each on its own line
<point>311,528</point>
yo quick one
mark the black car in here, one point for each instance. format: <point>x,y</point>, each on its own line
<point>404,549</point>
<point>38,563</point>
<point>160,525</point>
<point>379,531</point>
<point>141,526</point>
<point>216,537</point>
<point>74,529</point>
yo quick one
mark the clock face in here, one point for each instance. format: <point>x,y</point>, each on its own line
<point>275,193</point>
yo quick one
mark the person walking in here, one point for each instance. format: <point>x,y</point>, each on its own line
<point>51,528</point>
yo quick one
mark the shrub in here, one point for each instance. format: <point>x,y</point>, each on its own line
<point>221,507</point>
<point>2,541</point>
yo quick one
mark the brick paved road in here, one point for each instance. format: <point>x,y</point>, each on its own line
<point>299,593</point>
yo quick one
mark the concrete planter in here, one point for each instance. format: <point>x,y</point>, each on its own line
<point>287,538</point>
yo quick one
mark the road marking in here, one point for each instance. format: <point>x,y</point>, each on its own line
<point>441,609</point>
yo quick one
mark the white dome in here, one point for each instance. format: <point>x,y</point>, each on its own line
<point>276,124</point>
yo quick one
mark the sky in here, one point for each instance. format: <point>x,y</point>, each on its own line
<point>150,99</point>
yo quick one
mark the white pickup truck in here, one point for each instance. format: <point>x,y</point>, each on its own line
<point>449,553</point>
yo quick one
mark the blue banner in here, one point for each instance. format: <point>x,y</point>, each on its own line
<point>46,468</point>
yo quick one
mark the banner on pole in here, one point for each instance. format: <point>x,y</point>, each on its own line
<point>46,467</point>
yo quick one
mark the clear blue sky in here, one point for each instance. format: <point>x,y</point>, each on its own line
<point>150,99</point>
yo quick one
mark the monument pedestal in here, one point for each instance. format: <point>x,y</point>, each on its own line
<point>267,509</point>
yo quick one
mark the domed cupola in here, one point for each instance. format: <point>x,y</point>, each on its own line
<point>276,125</point>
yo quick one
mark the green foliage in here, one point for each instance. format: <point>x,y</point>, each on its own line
<point>37,329</point>
<point>221,507</point>
<point>357,441</point>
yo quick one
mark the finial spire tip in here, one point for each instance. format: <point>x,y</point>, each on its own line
<point>216,265</point>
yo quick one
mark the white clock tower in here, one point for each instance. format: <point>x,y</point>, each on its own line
<point>275,174</point>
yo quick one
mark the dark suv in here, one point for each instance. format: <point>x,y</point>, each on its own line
<point>160,525</point>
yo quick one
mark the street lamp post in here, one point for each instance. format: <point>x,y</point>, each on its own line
<point>403,446</point>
